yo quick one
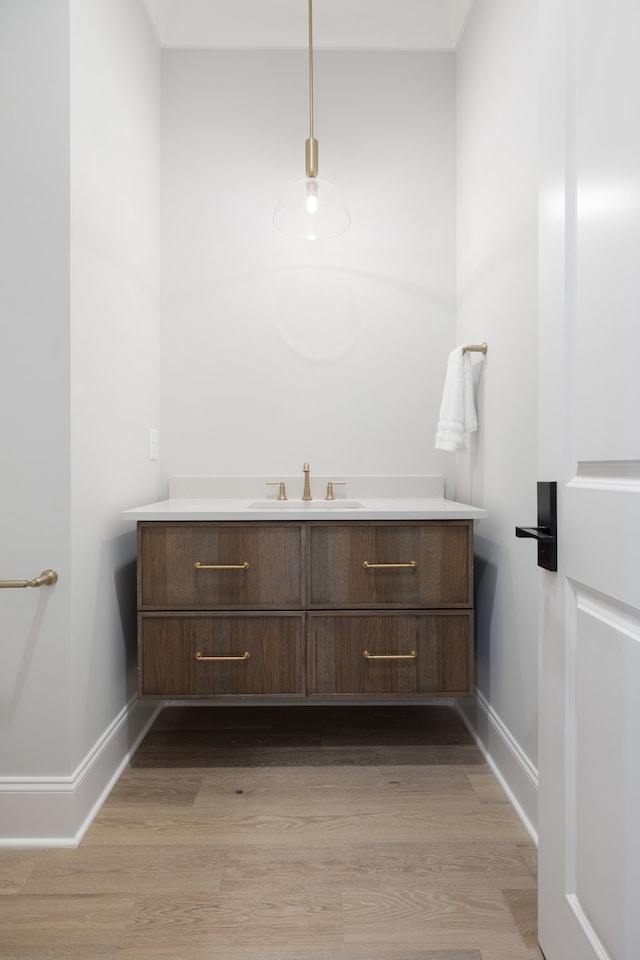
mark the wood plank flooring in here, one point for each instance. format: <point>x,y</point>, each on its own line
<point>287,833</point>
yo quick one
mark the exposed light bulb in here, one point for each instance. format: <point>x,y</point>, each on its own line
<point>312,196</point>
<point>311,209</point>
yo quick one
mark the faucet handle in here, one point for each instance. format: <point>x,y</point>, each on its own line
<point>282,494</point>
<point>331,484</point>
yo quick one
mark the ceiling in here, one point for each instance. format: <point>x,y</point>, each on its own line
<point>282,24</point>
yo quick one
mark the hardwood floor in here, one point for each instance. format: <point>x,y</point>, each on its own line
<point>287,833</point>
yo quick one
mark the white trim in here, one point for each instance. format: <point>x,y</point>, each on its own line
<point>589,932</point>
<point>58,811</point>
<point>513,769</point>
<point>619,475</point>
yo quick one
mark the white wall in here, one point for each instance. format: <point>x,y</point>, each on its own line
<point>34,388</point>
<point>79,238</point>
<point>277,351</point>
<point>115,345</point>
<point>497,206</point>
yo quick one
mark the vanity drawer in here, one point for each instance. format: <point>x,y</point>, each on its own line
<point>217,655</point>
<point>393,564</point>
<point>390,654</point>
<point>220,566</point>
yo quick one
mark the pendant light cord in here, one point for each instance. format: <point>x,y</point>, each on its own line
<point>311,146</point>
<point>311,69</point>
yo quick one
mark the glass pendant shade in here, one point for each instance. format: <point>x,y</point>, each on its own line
<point>311,209</point>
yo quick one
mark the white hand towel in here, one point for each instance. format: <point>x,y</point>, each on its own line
<point>458,410</point>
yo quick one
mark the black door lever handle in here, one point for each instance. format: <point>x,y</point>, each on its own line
<point>536,533</point>
<point>546,533</point>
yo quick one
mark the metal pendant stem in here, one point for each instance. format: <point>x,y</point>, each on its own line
<point>311,145</point>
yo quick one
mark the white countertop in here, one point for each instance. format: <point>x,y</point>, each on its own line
<point>388,508</point>
<point>247,498</point>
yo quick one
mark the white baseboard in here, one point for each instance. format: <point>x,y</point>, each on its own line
<point>58,811</point>
<point>516,774</point>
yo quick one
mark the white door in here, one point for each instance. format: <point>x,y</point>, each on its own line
<point>589,429</point>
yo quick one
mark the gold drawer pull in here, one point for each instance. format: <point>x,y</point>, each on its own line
<point>390,656</point>
<point>388,566</point>
<point>221,566</point>
<point>201,656</point>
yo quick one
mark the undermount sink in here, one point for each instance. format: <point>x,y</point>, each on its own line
<point>305,505</point>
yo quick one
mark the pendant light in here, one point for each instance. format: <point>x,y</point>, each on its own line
<point>311,209</point>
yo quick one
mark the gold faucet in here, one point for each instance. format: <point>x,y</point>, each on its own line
<point>306,493</point>
<point>330,494</point>
<point>282,493</point>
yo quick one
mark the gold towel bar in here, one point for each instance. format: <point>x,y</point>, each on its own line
<point>475,348</point>
<point>47,577</point>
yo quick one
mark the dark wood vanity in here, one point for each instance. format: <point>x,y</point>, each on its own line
<point>286,610</point>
